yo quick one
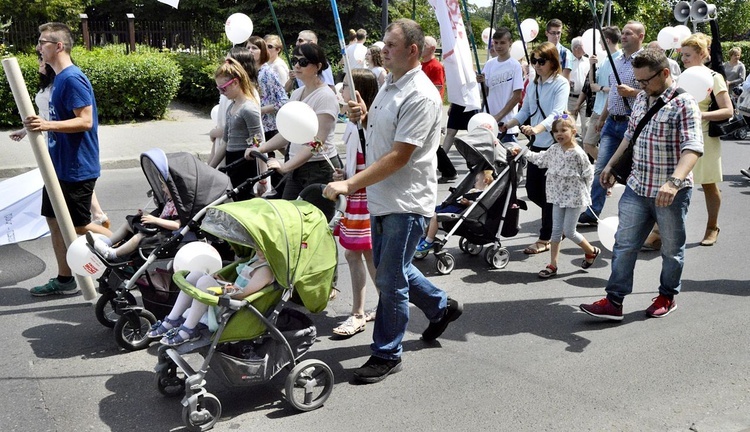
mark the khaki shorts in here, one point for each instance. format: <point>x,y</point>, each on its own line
<point>592,135</point>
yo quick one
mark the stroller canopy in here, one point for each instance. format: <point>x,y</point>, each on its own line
<point>478,148</point>
<point>294,236</point>
<point>193,184</point>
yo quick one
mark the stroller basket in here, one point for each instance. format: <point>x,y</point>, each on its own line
<point>249,362</point>
<point>158,292</point>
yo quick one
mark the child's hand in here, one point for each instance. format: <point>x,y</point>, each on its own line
<point>488,179</point>
<point>148,218</point>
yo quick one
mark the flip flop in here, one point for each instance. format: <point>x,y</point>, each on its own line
<point>535,249</point>
<point>348,328</point>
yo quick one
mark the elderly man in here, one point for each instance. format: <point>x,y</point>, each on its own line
<point>579,69</point>
<point>403,132</point>
<point>658,188</point>
<point>308,36</point>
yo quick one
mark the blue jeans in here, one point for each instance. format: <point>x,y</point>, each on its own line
<point>394,241</point>
<point>637,217</point>
<point>611,137</point>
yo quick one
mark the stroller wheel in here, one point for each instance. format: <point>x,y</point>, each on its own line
<point>309,384</point>
<point>170,381</point>
<point>131,329</point>
<point>105,308</point>
<point>497,257</point>
<point>207,413</point>
<point>445,264</point>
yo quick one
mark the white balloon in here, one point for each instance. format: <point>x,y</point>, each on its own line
<point>697,81</point>
<point>667,38</point>
<point>588,42</point>
<point>82,260</point>
<point>529,29</point>
<point>197,256</point>
<point>606,229</point>
<point>683,32</point>
<point>379,44</point>
<point>215,114</point>
<point>297,122</point>
<point>238,28</point>
<point>485,120</point>
<point>516,50</point>
<point>487,35</point>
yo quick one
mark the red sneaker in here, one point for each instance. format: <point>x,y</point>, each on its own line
<point>603,309</point>
<point>661,307</point>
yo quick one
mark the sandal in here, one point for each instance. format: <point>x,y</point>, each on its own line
<point>334,293</point>
<point>548,272</point>
<point>174,338</point>
<point>158,330</point>
<point>348,328</point>
<point>589,259</point>
<point>536,249</point>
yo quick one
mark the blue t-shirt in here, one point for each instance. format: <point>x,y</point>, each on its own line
<point>74,155</point>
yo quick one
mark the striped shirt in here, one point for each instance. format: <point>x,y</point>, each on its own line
<point>616,103</point>
<point>675,128</point>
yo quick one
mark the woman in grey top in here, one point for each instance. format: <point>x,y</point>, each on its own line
<point>243,125</point>
<point>735,71</point>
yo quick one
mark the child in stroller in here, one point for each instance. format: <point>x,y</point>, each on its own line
<point>252,276</point>
<point>482,179</point>
<point>138,227</point>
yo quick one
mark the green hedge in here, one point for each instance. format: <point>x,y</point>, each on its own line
<point>197,86</point>
<point>127,87</point>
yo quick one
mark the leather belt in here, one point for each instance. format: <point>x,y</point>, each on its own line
<point>619,118</point>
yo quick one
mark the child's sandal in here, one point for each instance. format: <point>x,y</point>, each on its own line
<point>174,338</point>
<point>589,259</point>
<point>158,330</point>
<point>548,272</point>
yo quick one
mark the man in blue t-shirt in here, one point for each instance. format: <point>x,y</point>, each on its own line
<point>73,147</point>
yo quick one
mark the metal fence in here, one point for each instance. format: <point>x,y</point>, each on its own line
<point>205,39</point>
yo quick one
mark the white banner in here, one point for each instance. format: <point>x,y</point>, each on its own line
<point>172,3</point>
<point>20,205</point>
<point>460,76</point>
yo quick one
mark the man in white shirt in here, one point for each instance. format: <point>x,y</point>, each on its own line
<point>356,52</point>
<point>579,68</point>
<point>502,76</point>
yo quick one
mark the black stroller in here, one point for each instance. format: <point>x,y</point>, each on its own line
<point>493,214</point>
<point>193,186</point>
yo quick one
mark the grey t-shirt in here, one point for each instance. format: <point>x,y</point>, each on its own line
<point>242,125</point>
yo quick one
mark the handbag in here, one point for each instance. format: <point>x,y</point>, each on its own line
<point>624,166</point>
<point>723,127</point>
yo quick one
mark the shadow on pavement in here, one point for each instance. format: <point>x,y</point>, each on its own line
<point>18,265</point>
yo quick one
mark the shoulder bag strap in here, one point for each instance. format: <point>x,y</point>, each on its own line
<point>651,112</point>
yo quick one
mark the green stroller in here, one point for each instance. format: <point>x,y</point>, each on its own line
<point>258,336</point>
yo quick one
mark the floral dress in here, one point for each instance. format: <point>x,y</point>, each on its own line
<point>569,175</point>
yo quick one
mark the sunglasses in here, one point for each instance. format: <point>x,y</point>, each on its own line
<point>555,33</point>
<point>223,88</point>
<point>303,61</point>
<point>539,61</point>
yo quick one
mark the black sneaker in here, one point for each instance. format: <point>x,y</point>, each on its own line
<point>447,179</point>
<point>453,310</point>
<point>376,369</point>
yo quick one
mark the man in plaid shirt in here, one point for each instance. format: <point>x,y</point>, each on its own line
<point>658,189</point>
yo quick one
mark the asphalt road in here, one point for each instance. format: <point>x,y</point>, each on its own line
<point>521,358</point>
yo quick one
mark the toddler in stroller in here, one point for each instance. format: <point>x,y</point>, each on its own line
<point>252,276</point>
<point>138,227</point>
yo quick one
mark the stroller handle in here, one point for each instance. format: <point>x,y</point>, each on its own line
<point>320,187</point>
<point>240,162</point>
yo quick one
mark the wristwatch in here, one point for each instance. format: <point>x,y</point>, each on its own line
<point>675,181</point>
